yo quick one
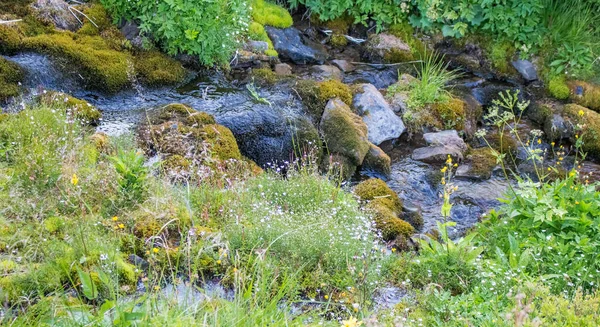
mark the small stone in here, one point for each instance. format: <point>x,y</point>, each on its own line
<point>291,45</point>
<point>343,65</point>
<point>326,72</point>
<point>283,69</point>
<point>447,138</point>
<point>257,46</point>
<point>526,69</point>
<point>436,154</point>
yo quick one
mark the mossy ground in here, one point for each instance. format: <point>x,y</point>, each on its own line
<point>558,88</point>
<point>315,95</point>
<point>80,108</point>
<point>483,162</point>
<point>590,97</point>
<point>10,77</point>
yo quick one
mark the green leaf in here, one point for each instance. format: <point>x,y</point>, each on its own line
<point>87,284</point>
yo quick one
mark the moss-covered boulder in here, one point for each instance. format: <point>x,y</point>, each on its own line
<point>558,88</point>
<point>344,132</point>
<point>388,223</point>
<point>482,163</point>
<point>576,114</point>
<point>82,109</point>
<point>315,95</point>
<point>376,189</point>
<point>155,68</point>
<point>11,75</point>
<point>377,161</point>
<point>449,114</point>
<point>388,48</point>
<point>585,94</point>
<point>268,13</point>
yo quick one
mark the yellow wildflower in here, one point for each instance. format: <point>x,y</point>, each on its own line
<point>455,165</point>
<point>326,297</point>
<point>443,170</point>
<point>115,218</point>
<point>155,250</point>
<point>539,141</point>
<point>218,262</point>
<point>121,226</point>
<point>156,288</point>
<point>552,143</point>
<point>581,113</point>
<point>352,322</point>
<point>572,173</point>
<point>449,161</point>
<point>74,180</point>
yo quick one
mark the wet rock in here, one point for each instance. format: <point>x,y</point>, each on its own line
<point>473,113</point>
<point>283,69</point>
<point>326,72</point>
<point>487,93</point>
<point>377,161</point>
<point>344,132</point>
<point>526,69</point>
<point>441,145</point>
<point>291,45</point>
<point>381,77</point>
<point>398,102</point>
<point>386,47</point>
<point>131,31</point>
<point>257,46</point>
<point>343,65</point>
<point>245,59</point>
<point>557,128</point>
<point>57,12</point>
<point>383,124</point>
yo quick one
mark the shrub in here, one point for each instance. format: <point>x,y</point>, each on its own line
<point>212,30</point>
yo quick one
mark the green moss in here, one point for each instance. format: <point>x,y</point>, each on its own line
<point>388,223</point>
<point>10,40</point>
<point>100,141</point>
<point>264,76</point>
<point>99,16</point>
<point>15,8</point>
<point>539,112</point>
<point>155,68</point>
<point>483,162</point>
<point>501,55</point>
<point>376,189</point>
<point>176,163</point>
<point>81,108</point>
<point>506,145</point>
<point>591,95</point>
<point>257,32</point>
<point>344,132</point>
<point>223,143</point>
<point>271,53</point>
<point>126,271</point>
<point>200,118</point>
<point>591,119</point>
<point>377,160</point>
<point>406,32</point>
<point>7,266</point>
<point>267,13</point>
<point>450,114</point>
<point>316,94</point>
<point>558,88</point>
<point>338,40</point>
<point>100,65</point>
<point>397,55</point>
<point>10,77</point>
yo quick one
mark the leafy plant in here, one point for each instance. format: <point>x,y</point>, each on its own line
<point>132,173</point>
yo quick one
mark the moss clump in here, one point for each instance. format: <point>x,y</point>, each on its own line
<point>483,162</point>
<point>398,55</point>
<point>146,226</point>
<point>450,114</point>
<point>591,119</point>
<point>267,13</point>
<point>590,97</point>
<point>200,118</point>
<point>558,88</point>
<point>99,16</point>
<point>100,141</point>
<point>388,222</point>
<point>222,142</point>
<point>338,40</point>
<point>10,40</point>
<point>506,145</point>
<point>257,32</point>
<point>100,65</point>
<point>80,108</point>
<point>155,68</point>
<point>376,189</point>
<point>406,32</point>
<point>264,76</point>
<point>54,225</point>
<point>501,55</point>
<point>377,160</point>
<point>316,94</point>
<point>10,77</point>
<point>176,111</point>
<point>15,8</point>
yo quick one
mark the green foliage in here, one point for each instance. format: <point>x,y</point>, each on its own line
<point>267,13</point>
<point>80,108</point>
<point>212,30</point>
<point>132,173</point>
<point>431,85</point>
<point>257,32</point>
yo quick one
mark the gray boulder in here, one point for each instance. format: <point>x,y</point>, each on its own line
<point>343,65</point>
<point>57,12</point>
<point>325,72</point>
<point>526,69</point>
<point>383,124</point>
<point>441,145</point>
<point>291,45</point>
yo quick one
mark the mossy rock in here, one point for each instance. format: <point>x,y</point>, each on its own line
<point>590,97</point>
<point>10,40</point>
<point>306,140</point>
<point>377,161</point>
<point>483,162</point>
<point>450,114</point>
<point>406,32</point>
<point>200,119</point>
<point>98,14</point>
<point>591,119</point>
<point>338,40</point>
<point>388,48</point>
<point>11,75</point>
<point>264,76</point>
<point>223,143</point>
<point>506,145</point>
<point>339,166</point>
<point>176,163</point>
<point>80,108</point>
<point>257,32</point>
<point>374,189</point>
<point>344,132</point>
<point>539,112</point>
<point>267,13</point>
<point>101,66</point>
<point>315,95</point>
<point>558,88</point>
<point>180,112</point>
<point>388,222</point>
<point>501,56</point>
<point>155,68</point>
